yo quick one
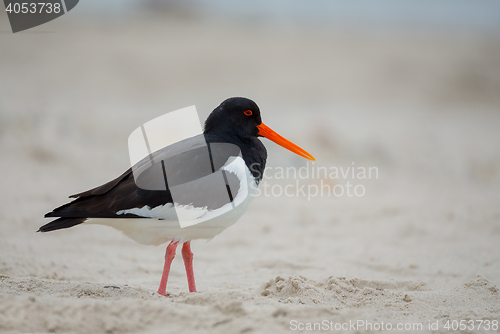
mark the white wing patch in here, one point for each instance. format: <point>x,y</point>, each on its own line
<point>163,211</point>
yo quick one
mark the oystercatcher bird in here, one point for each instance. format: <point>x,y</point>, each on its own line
<point>193,189</point>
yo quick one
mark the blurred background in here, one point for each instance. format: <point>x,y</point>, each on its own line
<point>344,72</point>
<point>411,87</point>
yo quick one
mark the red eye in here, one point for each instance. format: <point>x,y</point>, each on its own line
<point>248,112</point>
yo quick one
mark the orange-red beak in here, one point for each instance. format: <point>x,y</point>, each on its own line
<point>267,132</point>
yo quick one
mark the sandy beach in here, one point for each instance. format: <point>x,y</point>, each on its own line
<point>421,245</point>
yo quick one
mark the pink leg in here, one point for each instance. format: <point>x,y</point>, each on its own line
<point>169,256</point>
<point>187,255</point>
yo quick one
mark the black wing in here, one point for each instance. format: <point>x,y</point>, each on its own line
<point>177,165</point>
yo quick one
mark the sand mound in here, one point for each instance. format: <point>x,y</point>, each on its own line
<point>412,301</point>
<point>339,292</point>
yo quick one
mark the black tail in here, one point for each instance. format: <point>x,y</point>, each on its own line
<point>60,224</point>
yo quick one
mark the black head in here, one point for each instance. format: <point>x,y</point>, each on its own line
<point>237,116</point>
<point>237,120</point>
